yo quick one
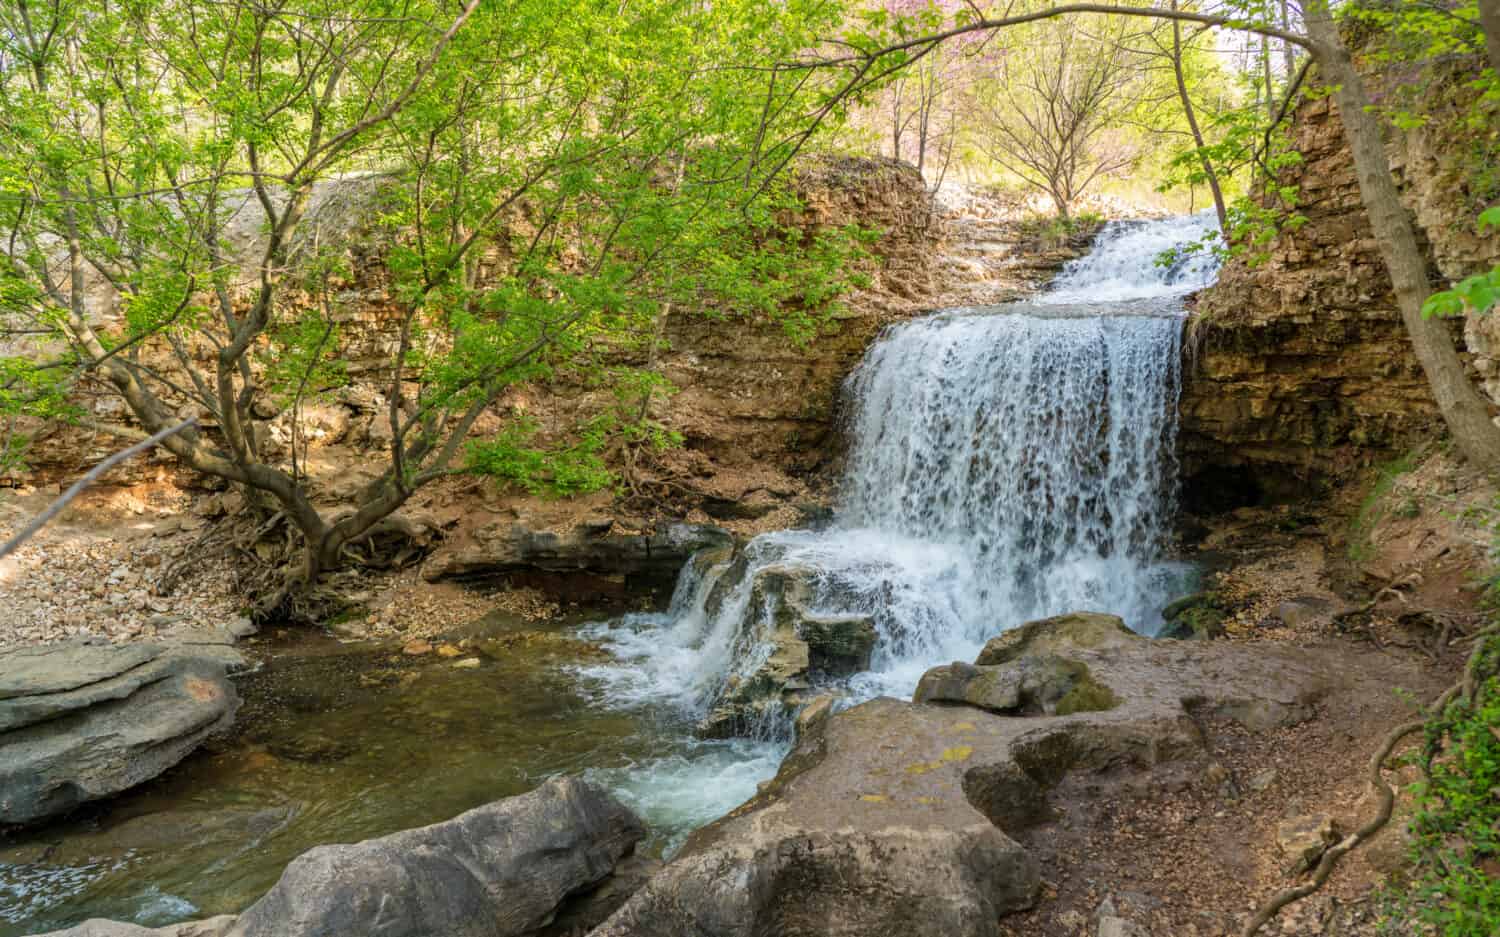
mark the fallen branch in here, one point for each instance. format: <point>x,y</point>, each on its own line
<point>55,508</point>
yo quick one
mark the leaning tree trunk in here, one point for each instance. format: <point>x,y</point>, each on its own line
<point>1189,112</point>
<point>1489,21</point>
<point>1466,412</point>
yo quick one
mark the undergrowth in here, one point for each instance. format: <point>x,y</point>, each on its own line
<point>1054,231</point>
<point>1454,885</point>
<point>1374,507</point>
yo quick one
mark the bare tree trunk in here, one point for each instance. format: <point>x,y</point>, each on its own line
<point>1265,68</point>
<point>1489,21</point>
<point>1466,412</point>
<point>1192,119</point>
<point>1288,51</point>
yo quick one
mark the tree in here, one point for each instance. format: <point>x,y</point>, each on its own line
<point>1051,109</point>
<point>181,176</point>
<point>1178,54</point>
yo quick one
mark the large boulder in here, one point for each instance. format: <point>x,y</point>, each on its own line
<point>1044,683</point>
<point>83,721</point>
<point>500,870</point>
<point>507,869</point>
<point>1073,631</point>
<point>865,830</point>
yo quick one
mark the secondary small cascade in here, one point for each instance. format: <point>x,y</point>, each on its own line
<point>1006,463</point>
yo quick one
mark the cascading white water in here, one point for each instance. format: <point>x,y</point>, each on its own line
<point>1125,262</point>
<point>1006,463</point>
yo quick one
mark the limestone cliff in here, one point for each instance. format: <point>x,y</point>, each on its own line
<point>1300,369</point>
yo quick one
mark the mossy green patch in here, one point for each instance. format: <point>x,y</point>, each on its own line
<point>1087,696</point>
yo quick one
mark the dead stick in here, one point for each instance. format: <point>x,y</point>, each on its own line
<point>56,507</point>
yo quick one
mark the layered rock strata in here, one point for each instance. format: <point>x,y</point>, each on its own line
<point>83,721</point>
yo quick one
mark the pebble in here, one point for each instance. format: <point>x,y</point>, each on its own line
<point>99,581</point>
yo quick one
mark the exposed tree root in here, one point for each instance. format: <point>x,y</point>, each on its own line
<point>1463,690</point>
<point>269,561</point>
<point>1337,851</point>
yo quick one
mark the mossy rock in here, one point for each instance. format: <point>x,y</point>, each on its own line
<point>1034,685</point>
<point>1195,617</point>
<point>1076,631</point>
<point>1087,696</point>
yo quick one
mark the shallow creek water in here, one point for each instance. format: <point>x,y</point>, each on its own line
<point>340,742</point>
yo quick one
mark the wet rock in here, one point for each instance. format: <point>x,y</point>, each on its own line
<point>80,721</point>
<point>804,647</point>
<point>1042,683</point>
<point>838,645</point>
<point>500,870</point>
<point>1193,617</point>
<point>213,927</point>
<point>1074,631</point>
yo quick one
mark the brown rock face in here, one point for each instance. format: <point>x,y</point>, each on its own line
<point>1299,368</point>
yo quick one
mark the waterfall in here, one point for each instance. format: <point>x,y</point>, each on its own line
<point>1006,463</point>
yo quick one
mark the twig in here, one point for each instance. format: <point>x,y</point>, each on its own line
<point>53,509</point>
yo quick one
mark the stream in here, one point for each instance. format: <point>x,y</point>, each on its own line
<point>1006,463</point>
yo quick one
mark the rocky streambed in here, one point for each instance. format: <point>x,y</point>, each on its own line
<point>338,742</point>
<point>945,815</point>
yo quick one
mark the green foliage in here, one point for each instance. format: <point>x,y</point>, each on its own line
<point>1054,230</point>
<point>1477,294</point>
<point>509,455</point>
<point>1453,890</point>
<point>29,393</point>
<point>531,195</point>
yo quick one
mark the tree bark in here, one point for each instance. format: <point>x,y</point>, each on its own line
<point>1466,412</point>
<point>1489,21</point>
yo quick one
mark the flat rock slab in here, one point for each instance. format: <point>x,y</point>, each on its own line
<point>596,548</point>
<point>104,718</point>
<point>56,668</point>
<point>893,817</point>
<point>21,711</point>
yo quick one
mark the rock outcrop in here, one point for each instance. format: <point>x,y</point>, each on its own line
<point>500,870</point>
<point>83,721</point>
<point>590,549</point>
<point>802,647</point>
<point>897,818</point>
<point>1299,367</point>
